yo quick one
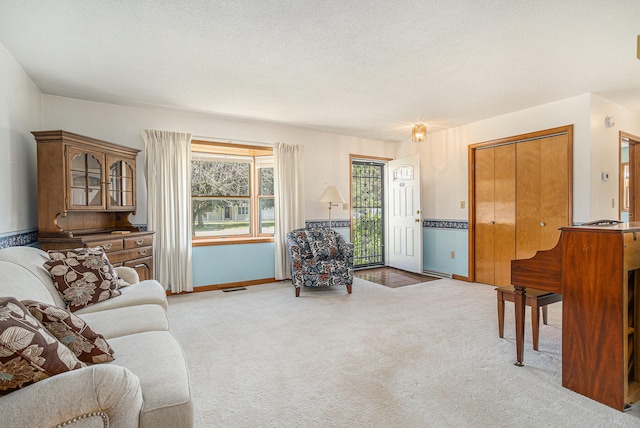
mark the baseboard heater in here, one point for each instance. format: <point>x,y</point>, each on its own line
<point>437,274</point>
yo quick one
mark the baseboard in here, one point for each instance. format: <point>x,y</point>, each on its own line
<point>460,278</point>
<point>224,286</point>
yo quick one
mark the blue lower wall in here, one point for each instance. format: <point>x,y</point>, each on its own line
<point>437,246</point>
<point>222,264</point>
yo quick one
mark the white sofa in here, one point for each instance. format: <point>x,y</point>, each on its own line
<point>147,385</point>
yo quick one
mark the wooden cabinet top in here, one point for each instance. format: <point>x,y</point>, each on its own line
<point>58,136</point>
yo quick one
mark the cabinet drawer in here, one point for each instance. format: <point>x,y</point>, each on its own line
<point>132,254</point>
<point>108,246</point>
<point>137,242</point>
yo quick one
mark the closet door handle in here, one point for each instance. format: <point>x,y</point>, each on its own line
<point>492,222</point>
<point>542,223</point>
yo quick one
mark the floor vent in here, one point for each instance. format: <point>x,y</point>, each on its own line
<point>228,290</point>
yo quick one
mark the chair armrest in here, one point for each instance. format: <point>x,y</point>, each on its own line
<point>128,274</point>
<point>345,250</point>
<point>102,388</point>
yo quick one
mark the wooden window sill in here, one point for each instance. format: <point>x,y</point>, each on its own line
<point>206,242</point>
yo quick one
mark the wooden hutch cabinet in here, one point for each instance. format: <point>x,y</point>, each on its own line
<point>86,192</point>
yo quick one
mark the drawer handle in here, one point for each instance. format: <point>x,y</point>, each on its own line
<point>142,252</point>
<point>107,246</point>
<point>139,241</point>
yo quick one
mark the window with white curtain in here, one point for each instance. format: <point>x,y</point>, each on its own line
<point>231,193</point>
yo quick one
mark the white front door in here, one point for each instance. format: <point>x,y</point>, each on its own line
<point>405,220</point>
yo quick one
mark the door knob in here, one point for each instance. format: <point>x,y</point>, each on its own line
<point>492,222</point>
<point>417,220</point>
<point>542,223</point>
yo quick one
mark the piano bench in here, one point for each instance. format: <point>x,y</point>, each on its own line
<point>537,299</point>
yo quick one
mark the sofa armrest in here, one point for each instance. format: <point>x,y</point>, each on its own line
<point>102,388</point>
<point>128,274</point>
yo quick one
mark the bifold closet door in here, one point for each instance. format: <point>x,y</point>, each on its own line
<point>542,177</point>
<point>495,199</point>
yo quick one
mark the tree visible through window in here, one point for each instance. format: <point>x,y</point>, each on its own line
<point>232,196</point>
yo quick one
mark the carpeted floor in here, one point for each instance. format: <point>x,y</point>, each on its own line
<point>425,355</point>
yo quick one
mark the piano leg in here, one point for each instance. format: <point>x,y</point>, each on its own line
<point>519,303</point>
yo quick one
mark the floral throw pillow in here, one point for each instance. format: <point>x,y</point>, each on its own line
<point>63,254</point>
<point>83,279</point>
<point>28,352</point>
<point>72,331</point>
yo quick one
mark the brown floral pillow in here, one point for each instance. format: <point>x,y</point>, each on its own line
<point>72,331</point>
<point>28,352</point>
<point>63,254</point>
<point>83,279</point>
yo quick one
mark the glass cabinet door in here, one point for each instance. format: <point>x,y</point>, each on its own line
<point>121,184</point>
<point>85,180</point>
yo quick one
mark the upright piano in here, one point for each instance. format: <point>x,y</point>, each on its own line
<point>596,268</point>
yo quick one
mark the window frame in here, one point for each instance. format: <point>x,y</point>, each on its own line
<point>248,151</point>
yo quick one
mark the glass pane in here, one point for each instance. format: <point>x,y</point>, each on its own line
<point>266,181</point>
<point>79,162</point>
<point>215,178</point>
<point>127,184</point>
<point>93,165</point>
<point>115,198</point>
<point>221,217</point>
<point>95,197</point>
<point>115,170</point>
<point>78,179</point>
<point>267,216</point>
<point>94,180</point>
<point>78,196</point>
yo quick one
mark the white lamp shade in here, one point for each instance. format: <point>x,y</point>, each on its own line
<point>331,195</point>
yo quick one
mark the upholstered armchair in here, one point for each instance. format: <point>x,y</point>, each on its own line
<point>320,257</point>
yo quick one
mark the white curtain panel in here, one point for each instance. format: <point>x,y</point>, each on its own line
<point>168,174</point>
<point>288,193</point>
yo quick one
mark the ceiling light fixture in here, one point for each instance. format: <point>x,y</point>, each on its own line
<point>419,133</point>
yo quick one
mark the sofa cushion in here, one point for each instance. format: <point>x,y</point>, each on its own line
<point>83,279</point>
<point>28,352</point>
<point>118,322</point>
<point>72,331</point>
<point>97,251</point>
<point>157,359</point>
<point>142,293</point>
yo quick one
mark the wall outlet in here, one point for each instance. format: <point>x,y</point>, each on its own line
<point>462,204</point>
<point>345,206</point>
<point>453,254</point>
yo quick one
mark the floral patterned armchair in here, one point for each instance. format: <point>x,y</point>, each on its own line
<point>320,257</point>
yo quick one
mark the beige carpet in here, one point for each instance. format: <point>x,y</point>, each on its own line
<point>425,355</point>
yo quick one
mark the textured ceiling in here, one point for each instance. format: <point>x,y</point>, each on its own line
<point>361,68</point>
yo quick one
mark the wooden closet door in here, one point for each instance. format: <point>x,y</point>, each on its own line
<point>485,215</point>
<point>495,214</point>
<point>505,212</point>
<point>554,186</point>
<point>542,176</point>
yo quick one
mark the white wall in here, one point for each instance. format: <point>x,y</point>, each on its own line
<point>326,156</point>
<point>604,154</point>
<point>20,113</point>
<point>445,156</point>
